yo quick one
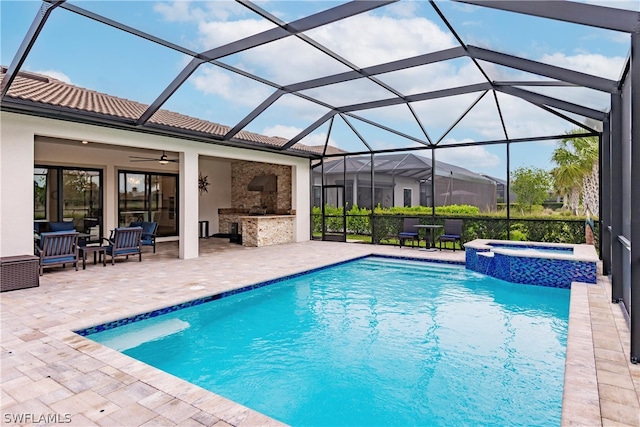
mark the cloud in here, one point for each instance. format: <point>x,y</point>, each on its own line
<point>218,33</point>
<point>618,4</point>
<point>178,11</point>
<point>229,86</point>
<point>185,11</point>
<point>282,131</point>
<point>404,9</point>
<point>594,64</point>
<point>59,75</point>
<point>289,132</point>
<point>472,158</point>
<point>467,8</point>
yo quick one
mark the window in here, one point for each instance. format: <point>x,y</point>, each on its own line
<point>69,194</point>
<point>317,196</point>
<point>144,196</point>
<point>407,197</point>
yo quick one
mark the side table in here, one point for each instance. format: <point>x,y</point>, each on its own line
<point>95,250</point>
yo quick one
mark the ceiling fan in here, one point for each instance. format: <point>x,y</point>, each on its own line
<point>163,160</point>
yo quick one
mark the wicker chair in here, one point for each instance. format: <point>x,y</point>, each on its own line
<point>409,231</point>
<point>124,241</point>
<point>452,232</point>
<point>57,248</point>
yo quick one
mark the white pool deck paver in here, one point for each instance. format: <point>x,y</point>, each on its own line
<point>52,376</point>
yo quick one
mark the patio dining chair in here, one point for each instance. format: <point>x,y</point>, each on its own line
<point>452,233</point>
<point>57,248</point>
<point>409,231</point>
<point>124,241</point>
<point>149,230</point>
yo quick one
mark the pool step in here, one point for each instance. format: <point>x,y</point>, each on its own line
<point>486,254</point>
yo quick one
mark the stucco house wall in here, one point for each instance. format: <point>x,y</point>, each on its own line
<point>20,135</point>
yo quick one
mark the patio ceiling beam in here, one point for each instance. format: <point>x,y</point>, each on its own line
<point>549,83</point>
<point>462,116</point>
<point>458,38</point>
<point>304,24</point>
<point>27,43</point>
<point>539,99</point>
<point>504,127</point>
<point>326,142</point>
<point>478,87</point>
<point>468,144</point>
<point>416,61</point>
<point>577,13</point>
<point>255,113</point>
<point>417,119</point>
<point>564,117</point>
<point>355,131</point>
<point>388,129</point>
<point>308,130</point>
<point>551,71</point>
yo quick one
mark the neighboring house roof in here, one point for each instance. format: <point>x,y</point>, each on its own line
<point>497,180</point>
<point>404,165</point>
<point>37,88</point>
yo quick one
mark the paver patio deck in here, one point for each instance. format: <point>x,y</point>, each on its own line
<point>48,371</point>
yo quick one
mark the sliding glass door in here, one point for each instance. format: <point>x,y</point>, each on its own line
<point>145,196</point>
<point>71,195</point>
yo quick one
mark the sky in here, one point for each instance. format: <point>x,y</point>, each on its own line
<point>88,54</point>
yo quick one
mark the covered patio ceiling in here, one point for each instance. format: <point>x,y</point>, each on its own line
<point>325,79</point>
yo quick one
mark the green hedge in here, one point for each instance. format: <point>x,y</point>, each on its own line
<point>386,223</point>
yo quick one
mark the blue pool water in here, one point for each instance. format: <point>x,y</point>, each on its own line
<point>537,249</point>
<point>374,342</point>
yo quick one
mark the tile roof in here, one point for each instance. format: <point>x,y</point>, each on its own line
<point>43,89</point>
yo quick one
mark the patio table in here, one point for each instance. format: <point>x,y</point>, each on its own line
<point>95,250</point>
<point>429,241</point>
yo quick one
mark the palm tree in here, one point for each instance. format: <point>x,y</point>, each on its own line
<point>577,170</point>
<point>566,184</point>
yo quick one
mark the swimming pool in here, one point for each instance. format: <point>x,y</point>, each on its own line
<point>375,341</point>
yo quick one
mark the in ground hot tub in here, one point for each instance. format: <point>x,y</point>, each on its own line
<point>534,263</point>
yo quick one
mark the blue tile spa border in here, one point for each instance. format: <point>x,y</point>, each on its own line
<point>539,271</point>
<point>132,319</point>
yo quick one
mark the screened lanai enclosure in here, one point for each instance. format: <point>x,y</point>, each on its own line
<point>394,103</point>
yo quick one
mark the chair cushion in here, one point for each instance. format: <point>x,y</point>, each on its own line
<point>449,237</point>
<point>147,240</point>
<point>61,226</point>
<point>109,250</point>
<point>148,227</point>
<point>126,251</point>
<point>407,234</point>
<point>58,260</point>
